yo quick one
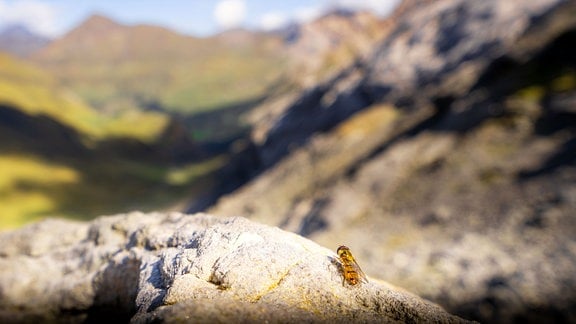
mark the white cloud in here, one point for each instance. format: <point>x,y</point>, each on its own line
<point>306,14</point>
<point>37,16</point>
<point>230,13</point>
<point>379,7</point>
<point>273,20</point>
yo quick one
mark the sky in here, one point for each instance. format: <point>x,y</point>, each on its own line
<point>53,18</point>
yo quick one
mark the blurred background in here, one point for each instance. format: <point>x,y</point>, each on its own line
<point>435,138</point>
<point>110,106</point>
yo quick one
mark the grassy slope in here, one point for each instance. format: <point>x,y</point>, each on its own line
<point>131,67</point>
<point>36,92</point>
<point>19,203</point>
<point>34,186</point>
<point>120,70</point>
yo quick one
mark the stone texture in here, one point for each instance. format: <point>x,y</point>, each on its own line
<point>440,48</point>
<point>186,268</point>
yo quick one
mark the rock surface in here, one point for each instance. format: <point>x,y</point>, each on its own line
<point>186,268</point>
<point>435,50</point>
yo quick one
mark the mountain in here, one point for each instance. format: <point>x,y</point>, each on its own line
<point>319,53</point>
<point>59,156</point>
<point>322,47</point>
<point>36,92</point>
<point>205,81</point>
<point>20,41</point>
<point>117,67</point>
<point>111,109</point>
<point>445,157</point>
<point>100,39</point>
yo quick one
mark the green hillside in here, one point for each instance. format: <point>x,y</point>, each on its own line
<point>111,118</point>
<point>60,157</point>
<point>36,92</point>
<point>118,68</point>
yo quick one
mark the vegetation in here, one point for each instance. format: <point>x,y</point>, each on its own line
<point>110,104</point>
<point>107,178</point>
<point>35,92</point>
<point>136,67</point>
<point>33,187</point>
<point>23,180</point>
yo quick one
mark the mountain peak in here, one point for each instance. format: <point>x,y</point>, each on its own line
<point>100,19</point>
<point>96,37</point>
<point>98,23</point>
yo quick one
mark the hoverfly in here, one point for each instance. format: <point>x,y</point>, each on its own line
<point>350,269</point>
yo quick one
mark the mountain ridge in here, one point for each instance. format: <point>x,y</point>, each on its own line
<point>130,66</point>
<point>118,39</point>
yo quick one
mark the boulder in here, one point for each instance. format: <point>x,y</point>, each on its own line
<point>187,268</point>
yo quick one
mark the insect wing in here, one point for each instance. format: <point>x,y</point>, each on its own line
<point>359,271</point>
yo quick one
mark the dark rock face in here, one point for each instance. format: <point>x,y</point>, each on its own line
<point>317,110</point>
<point>455,175</point>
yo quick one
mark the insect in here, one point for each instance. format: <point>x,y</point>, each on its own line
<point>350,269</point>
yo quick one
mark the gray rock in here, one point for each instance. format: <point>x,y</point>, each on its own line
<point>440,49</point>
<point>436,49</point>
<point>186,268</point>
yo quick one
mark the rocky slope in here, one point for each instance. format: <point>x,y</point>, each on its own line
<point>318,53</point>
<point>454,176</point>
<point>150,268</point>
<point>319,49</point>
